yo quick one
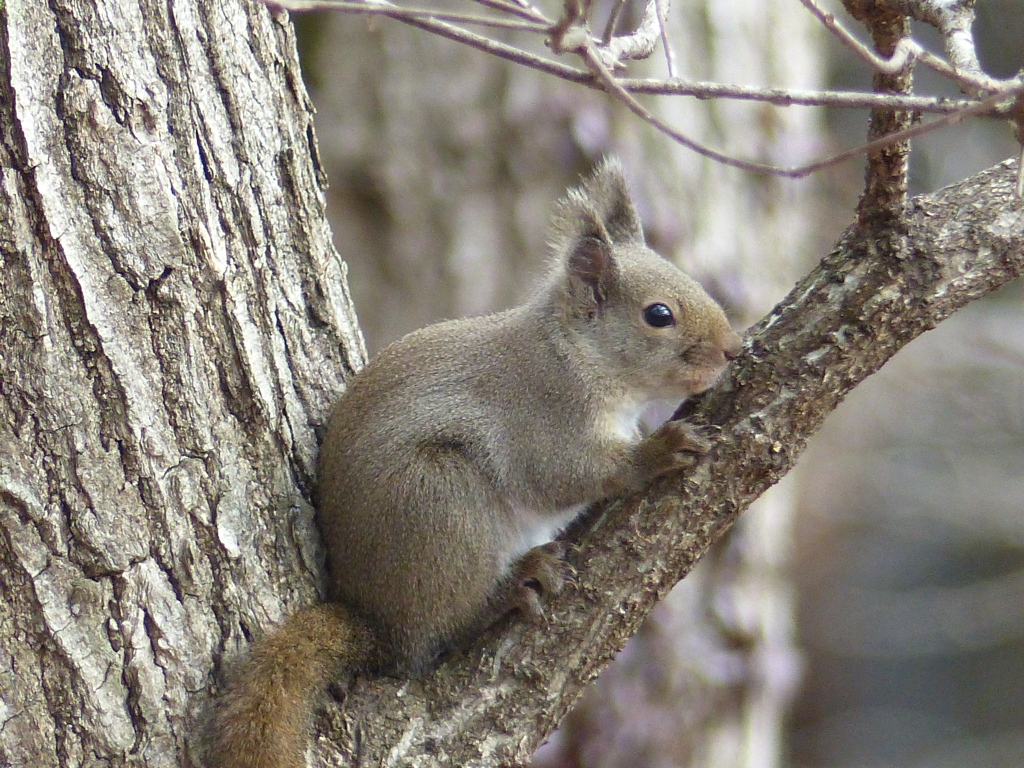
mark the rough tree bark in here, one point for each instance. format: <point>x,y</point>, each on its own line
<point>174,324</point>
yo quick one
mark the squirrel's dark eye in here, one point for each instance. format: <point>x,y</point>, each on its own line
<point>658,316</point>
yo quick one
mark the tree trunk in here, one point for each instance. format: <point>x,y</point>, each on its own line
<point>174,325</point>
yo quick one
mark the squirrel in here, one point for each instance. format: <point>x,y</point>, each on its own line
<point>454,458</point>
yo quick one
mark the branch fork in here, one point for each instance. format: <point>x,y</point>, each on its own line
<point>571,34</point>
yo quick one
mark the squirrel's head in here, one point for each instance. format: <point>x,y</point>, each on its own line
<point>642,320</point>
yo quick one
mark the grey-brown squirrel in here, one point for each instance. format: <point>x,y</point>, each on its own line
<point>454,458</point>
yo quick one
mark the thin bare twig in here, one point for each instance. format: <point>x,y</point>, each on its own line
<point>784,97</point>
<point>954,19</point>
<point>899,61</point>
<point>523,10</point>
<point>613,20</point>
<point>473,40</point>
<point>570,34</point>
<point>670,56</point>
<point>611,84</point>
<point>796,172</point>
<point>640,44</point>
<point>393,11</point>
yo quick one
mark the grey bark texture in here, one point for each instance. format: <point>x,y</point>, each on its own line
<point>173,325</point>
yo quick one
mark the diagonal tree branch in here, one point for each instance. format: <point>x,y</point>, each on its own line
<point>493,704</point>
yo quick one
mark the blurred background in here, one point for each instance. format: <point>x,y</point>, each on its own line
<point>870,610</point>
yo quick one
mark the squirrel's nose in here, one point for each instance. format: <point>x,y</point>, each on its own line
<point>732,348</point>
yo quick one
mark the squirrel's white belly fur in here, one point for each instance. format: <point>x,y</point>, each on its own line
<point>538,528</point>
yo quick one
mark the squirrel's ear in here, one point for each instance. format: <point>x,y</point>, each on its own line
<point>590,270</point>
<point>586,224</point>
<point>575,219</point>
<point>608,193</point>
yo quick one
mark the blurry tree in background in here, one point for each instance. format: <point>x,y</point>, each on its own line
<point>912,558</point>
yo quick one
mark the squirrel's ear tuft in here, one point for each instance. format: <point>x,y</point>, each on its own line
<point>600,208</point>
<point>608,193</point>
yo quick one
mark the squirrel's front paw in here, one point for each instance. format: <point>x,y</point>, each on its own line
<point>541,573</point>
<point>662,450</point>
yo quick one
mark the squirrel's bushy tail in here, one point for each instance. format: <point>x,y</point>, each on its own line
<point>261,719</point>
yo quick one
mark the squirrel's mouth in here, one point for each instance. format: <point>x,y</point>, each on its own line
<point>701,380</point>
